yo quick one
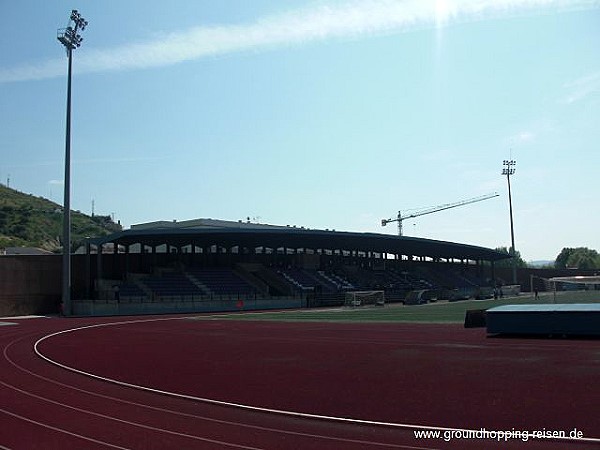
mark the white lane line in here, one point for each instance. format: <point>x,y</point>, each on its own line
<point>242,406</point>
<point>194,416</point>
<point>103,416</point>
<point>134,424</point>
<point>60,430</point>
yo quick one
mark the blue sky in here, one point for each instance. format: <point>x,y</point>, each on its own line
<point>325,114</point>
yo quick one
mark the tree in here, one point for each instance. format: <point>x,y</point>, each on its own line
<point>508,262</point>
<point>563,258</point>
<point>580,258</point>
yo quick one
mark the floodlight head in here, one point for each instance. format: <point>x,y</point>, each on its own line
<point>68,36</point>
<point>509,167</point>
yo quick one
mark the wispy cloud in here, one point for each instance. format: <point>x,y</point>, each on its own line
<point>336,20</point>
<point>523,137</point>
<point>56,182</point>
<point>582,87</point>
<point>531,132</point>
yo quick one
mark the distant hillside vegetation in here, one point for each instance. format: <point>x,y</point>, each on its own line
<point>29,221</point>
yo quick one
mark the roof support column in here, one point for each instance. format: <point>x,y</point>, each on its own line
<point>194,257</point>
<point>153,264</point>
<point>88,270</point>
<point>127,261</point>
<point>115,260</point>
<point>98,270</point>
<point>141,258</point>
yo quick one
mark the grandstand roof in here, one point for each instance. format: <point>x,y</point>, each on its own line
<point>205,232</point>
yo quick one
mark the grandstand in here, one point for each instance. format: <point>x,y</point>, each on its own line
<point>209,264</point>
<point>216,265</point>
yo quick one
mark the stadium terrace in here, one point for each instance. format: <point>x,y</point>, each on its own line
<point>215,265</point>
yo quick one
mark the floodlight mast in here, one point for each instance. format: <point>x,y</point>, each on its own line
<point>71,40</point>
<point>508,170</point>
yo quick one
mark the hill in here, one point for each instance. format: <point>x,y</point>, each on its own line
<point>541,263</point>
<point>30,221</point>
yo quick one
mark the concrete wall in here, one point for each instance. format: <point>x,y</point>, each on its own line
<point>29,284</point>
<point>112,308</point>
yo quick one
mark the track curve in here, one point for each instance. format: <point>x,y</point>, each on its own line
<point>51,404</point>
<point>45,406</point>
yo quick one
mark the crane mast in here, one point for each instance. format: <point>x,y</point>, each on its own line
<point>434,209</point>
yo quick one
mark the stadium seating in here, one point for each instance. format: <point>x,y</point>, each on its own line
<point>130,290</point>
<point>221,281</point>
<point>312,280</point>
<point>335,281</point>
<point>172,284</point>
<point>441,281</point>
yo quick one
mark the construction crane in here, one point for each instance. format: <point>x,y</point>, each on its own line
<point>434,209</point>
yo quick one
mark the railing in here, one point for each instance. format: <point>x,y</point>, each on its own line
<point>108,296</point>
<point>184,304</point>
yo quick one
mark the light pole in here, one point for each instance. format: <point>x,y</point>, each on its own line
<point>508,170</point>
<point>71,40</point>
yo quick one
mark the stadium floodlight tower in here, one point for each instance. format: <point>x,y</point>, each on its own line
<point>508,170</point>
<point>70,38</point>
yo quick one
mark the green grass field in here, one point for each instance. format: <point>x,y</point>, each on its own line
<point>440,312</point>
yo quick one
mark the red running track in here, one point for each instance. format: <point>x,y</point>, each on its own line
<point>413,374</point>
